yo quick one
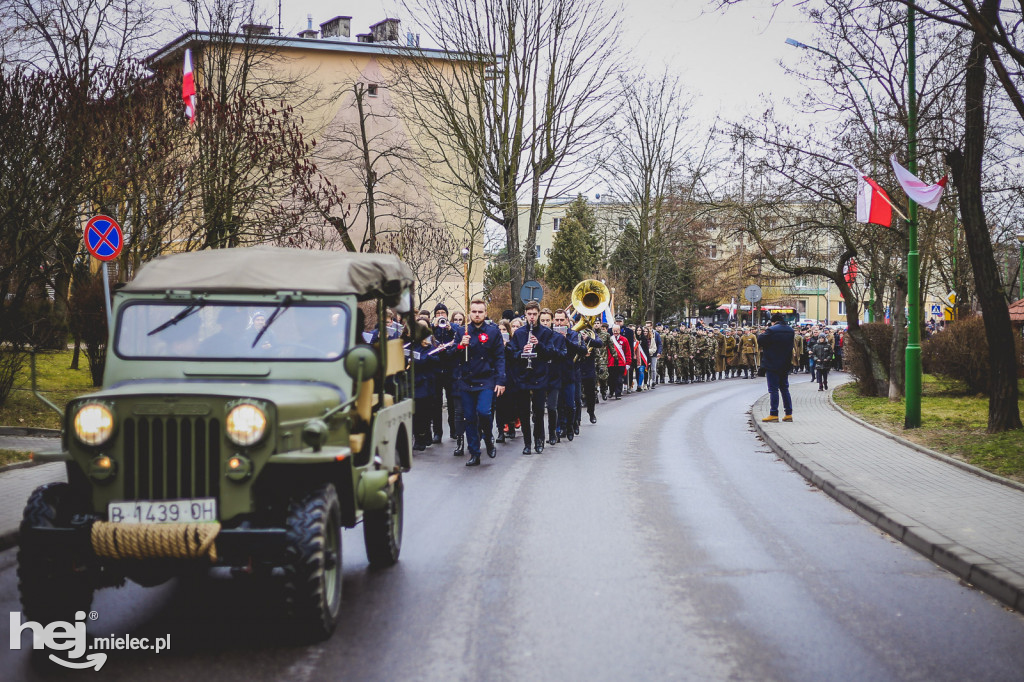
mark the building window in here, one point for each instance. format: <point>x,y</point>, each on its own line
<point>536,249</point>
<point>801,282</point>
<point>538,227</point>
<point>622,224</point>
<point>558,223</point>
<point>371,89</point>
<point>801,307</point>
<point>712,251</point>
<point>842,307</point>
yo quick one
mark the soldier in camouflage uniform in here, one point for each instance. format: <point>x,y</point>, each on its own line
<point>684,358</point>
<point>711,356</point>
<point>602,367</point>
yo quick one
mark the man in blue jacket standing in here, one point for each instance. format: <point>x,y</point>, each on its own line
<point>777,346</point>
<point>479,377</point>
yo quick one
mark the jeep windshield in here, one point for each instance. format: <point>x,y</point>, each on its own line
<point>220,331</point>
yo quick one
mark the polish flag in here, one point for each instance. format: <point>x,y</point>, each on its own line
<point>925,195</point>
<point>850,271</point>
<point>873,205</point>
<point>188,89</point>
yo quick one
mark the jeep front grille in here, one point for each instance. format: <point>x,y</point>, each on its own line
<point>171,457</point>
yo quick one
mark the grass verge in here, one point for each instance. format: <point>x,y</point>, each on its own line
<point>55,381</point>
<point>12,457</point>
<point>953,422</point>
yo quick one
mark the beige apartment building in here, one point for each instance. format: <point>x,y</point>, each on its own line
<point>612,218</point>
<point>323,68</point>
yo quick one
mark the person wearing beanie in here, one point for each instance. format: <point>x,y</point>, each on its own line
<point>777,344</point>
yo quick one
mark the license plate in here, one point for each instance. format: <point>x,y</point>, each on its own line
<point>199,510</point>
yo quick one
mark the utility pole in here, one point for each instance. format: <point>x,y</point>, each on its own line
<point>912,411</point>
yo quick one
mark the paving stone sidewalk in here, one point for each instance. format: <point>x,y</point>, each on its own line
<point>969,523</point>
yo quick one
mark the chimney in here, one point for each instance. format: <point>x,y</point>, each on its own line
<point>338,28</point>
<point>309,32</point>
<point>257,29</point>
<point>386,31</point>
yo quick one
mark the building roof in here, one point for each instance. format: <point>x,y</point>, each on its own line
<point>172,49</point>
<point>1017,311</point>
<point>274,268</point>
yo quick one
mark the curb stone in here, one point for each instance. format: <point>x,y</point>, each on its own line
<point>974,569</point>
<point>28,431</point>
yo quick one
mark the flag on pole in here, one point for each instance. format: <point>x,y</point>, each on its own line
<point>732,309</point>
<point>850,271</point>
<point>925,195</point>
<point>188,89</point>
<point>873,204</point>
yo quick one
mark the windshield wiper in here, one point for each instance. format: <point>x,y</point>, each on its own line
<point>273,316</point>
<point>190,310</point>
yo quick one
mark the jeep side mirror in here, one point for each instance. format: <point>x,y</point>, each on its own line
<point>361,361</point>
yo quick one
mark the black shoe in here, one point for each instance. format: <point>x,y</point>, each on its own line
<point>559,432</point>
<point>474,460</point>
<point>539,449</point>
<point>569,434</point>
<point>593,419</point>
<point>437,438</point>
<point>492,451</point>
<point>553,440</point>
<point>527,449</point>
<point>419,447</point>
<point>460,447</point>
<point>512,432</point>
<point>500,438</point>
<point>576,429</point>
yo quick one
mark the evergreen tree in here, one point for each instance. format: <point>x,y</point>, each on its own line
<point>573,256</point>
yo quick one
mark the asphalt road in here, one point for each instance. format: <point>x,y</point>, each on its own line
<point>666,542</point>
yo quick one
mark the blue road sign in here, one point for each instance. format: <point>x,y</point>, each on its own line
<point>531,291</point>
<point>936,309</point>
<point>103,237</point>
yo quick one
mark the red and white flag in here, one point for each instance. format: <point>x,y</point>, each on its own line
<point>873,205</point>
<point>188,89</point>
<point>850,271</point>
<point>925,195</point>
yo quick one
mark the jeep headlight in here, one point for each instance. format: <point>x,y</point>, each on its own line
<point>94,424</point>
<point>246,424</point>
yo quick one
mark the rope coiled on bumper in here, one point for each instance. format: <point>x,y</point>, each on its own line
<point>155,540</point>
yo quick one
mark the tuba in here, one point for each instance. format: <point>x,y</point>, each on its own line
<point>590,298</point>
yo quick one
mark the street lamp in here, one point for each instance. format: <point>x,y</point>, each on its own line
<point>465,274</point>
<point>1020,266</point>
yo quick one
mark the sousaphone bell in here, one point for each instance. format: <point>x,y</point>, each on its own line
<point>590,298</point>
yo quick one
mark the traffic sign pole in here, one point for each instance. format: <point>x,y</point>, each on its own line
<point>103,240</point>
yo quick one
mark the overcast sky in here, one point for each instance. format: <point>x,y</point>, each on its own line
<point>729,58</point>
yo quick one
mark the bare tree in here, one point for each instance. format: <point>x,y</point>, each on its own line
<point>646,158</point>
<point>521,93</point>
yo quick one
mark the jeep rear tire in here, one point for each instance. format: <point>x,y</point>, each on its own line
<point>53,582</point>
<point>382,529</point>
<point>312,570</point>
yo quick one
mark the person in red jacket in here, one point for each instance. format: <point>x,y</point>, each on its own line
<point>619,358</point>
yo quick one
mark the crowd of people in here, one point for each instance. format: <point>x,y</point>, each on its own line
<point>536,376</point>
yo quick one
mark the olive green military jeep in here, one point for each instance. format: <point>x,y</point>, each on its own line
<point>243,421</point>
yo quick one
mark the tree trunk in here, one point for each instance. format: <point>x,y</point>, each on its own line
<point>1003,408</point>
<point>898,347</point>
<point>78,350</point>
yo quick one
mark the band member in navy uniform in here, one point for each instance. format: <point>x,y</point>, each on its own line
<point>567,372</point>
<point>479,377</point>
<point>531,347</point>
<point>588,370</point>
<point>445,334</point>
<point>554,387</point>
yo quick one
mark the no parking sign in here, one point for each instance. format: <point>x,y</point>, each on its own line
<point>103,237</point>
